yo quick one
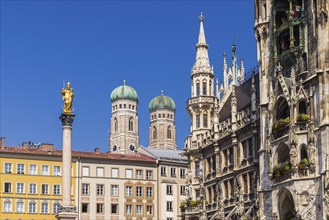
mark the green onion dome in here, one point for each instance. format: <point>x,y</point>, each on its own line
<point>162,102</point>
<point>124,92</point>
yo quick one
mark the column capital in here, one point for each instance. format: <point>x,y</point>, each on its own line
<point>67,119</point>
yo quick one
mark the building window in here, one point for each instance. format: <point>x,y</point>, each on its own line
<point>44,208</point>
<point>169,206</point>
<point>205,120</point>
<point>115,124</point>
<point>231,156</point>
<point>129,173</point>
<point>20,188</point>
<point>131,124</point>
<point>33,169</point>
<point>115,173</point>
<point>139,174</point>
<point>245,184</point>
<point>57,190</point>
<point>115,190</point>
<point>8,168</point>
<point>197,121</point>
<point>20,206</point>
<point>99,189</point>
<point>7,206</point>
<point>100,171</point>
<point>149,191</point>
<point>197,168</point>
<point>57,170</point>
<point>20,168</point>
<point>33,188</point>
<point>85,189</point>
<point>250,146</point>
<point>114,209</point>
<point>7,188</point>
<point>252,182</point>
<point>85,171</point>
<point>197,88</point>
<point>204,88</point>
<point>169,190</point>
<point>163,171</point>
<point>139,209</point>
<point>173,172</point>
<point>55,207</point>
<point>169,132</point>
<point>169,218</point>
<point>154,133</point>
<point>149,210</point>
<point>129,190</point>
<point>85,207</point>
<point>139,191</point>
<point>148,174</point>
<point>182,173</point>
<point>32,207</point>
<point>183,190</point>
<point>128,209</point>
<point>99,208</point>
<point>45,170</point>
<point>44,189</point>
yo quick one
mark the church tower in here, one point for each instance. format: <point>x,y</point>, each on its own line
<point>162,123</point>
<point>124,136</point>
<point>200,104</point>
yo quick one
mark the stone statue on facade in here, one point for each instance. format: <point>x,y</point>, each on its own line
<point>67,96</point>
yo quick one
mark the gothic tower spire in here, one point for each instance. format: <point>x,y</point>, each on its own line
<point>200,105</point>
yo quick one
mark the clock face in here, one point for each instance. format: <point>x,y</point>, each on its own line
<point>132,148</point>
<point>114,148</point>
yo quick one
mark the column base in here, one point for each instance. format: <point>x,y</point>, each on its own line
<point>67,213</point>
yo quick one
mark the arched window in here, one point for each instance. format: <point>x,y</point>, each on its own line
<point>302,107</point>
<point>115,124</point>
<point>154,133</point>
<point>303,153</point>
<point>283,154</point>
<point>169,132</point>
<point>282,109</point>
<point>197,85</point>
<point>131,124</point>
<point>204,87</point>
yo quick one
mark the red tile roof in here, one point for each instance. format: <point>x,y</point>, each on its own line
<point>82,154</point>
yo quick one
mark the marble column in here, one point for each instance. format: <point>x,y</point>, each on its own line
<point>67,210</point>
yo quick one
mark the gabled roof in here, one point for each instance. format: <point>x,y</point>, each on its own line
<point>168,155</point>
<point>243,95</point>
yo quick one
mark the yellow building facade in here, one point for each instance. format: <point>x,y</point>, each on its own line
<point>31,182</point>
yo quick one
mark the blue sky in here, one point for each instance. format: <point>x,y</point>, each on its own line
<point>96,45</point>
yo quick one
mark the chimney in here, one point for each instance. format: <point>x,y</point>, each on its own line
<point>24,145</point>
<point>2,144</point>
<point>48,147</point>
<point>97,150</point>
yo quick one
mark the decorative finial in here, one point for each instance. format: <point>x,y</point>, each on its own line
<point>201,18</point>
<point>124,82</point>
<point>161,92</point>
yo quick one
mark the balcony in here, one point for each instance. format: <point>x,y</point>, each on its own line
<point>280,132</point>
<point>282,172</point>
<point>201,100</point>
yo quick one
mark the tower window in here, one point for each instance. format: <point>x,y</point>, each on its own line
<point>131,124</point>
<point>154,133</point>
<point>197,89</point>
<point>205,120</point>
<point>204,88</point>
<point>169,132</point>
<point>115,124</point>
<point>197,121</point>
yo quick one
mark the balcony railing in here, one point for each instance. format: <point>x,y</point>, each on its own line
<point>280,132</point>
